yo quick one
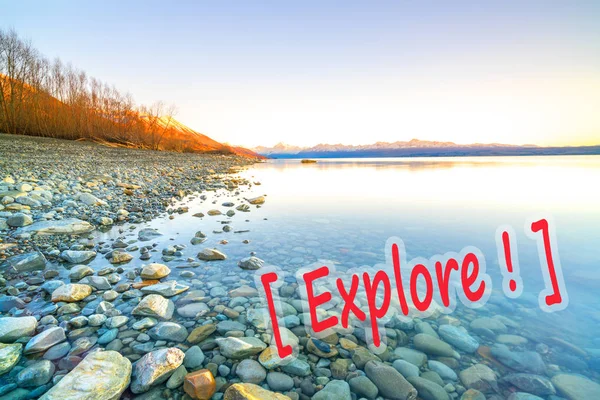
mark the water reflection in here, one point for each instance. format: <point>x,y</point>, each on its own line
<point>440,205</point>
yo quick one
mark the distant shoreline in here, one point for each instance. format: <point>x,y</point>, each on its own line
<point>445,152</point>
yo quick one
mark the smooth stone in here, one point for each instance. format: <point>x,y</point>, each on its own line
<point>226,326</point>
<point>279,382</point>
<point>250,391</point>
<point>442,370</point>
<point>37,374</point>
<point>200,333</point>
<point>67,226</point>
<point>211,255</point>
<point>430,345</point>
<point>155,367</point>
<point>256,200</point>
<point>192,310</point>
<point>296,367</point>
<point>251,263</point>
<point>362,386</point>
<point>154,305</point>
<point>512,340</point>
<point>492,324</point>
<point>80,271</point>
<point>147,234</point>
<point>19,220</point>
<point>101,375</point>
<point>233,347</point>
<point>479,377</point>
<point>58,351</point>
<point>71,292</point>
<point>472,394</point>
<point>169,331</point>
<point>415,357</point>
<point>334,390</point>
<point>10,354</point>
<point>77,256</point>
<point>108,336</point>
<point>530,383</point>
<point>34,261</point>
<point>405,368</point>
<point>154,271</point>
<point>177,378</point>
<point>12,328</point>
<point>428,390</point>
<point>45,340</point>
<point>459,338</point>
<point>523,361</point>
<point>194,358</point>
<point>576,387</point>
<point>251,371</point>
<point>391,383</point>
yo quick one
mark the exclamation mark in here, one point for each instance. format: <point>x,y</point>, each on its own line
<point>506,243</point>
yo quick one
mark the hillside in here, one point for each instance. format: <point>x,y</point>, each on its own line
<point>50,99</point>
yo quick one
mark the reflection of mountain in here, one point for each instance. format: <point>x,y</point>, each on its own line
<point>417,148</point>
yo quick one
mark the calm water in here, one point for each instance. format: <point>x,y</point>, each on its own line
<point>344,210</point>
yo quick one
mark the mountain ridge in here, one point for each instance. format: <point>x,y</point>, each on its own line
<point>417,148</point>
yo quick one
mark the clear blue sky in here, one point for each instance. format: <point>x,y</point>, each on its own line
<point>305,72</point>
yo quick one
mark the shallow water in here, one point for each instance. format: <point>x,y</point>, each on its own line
<point>344,210</point>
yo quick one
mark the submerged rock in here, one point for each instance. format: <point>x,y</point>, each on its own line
<point>45,340</point>
<point>72,292</point>
<point>154,271</point>
<point>147,234</point>
<point>524,361</point>
<point>391,383</point>
<point>12,328</point>
<point>102,375</point>
<point>430,345</point>
<point>535,384</point>
<point>576,387</point>
<point>232,347</point>
<point>479,377</point>
<point>211,255</point>
<point>427,389</point>
<point>67,226</point>
<point>250,391</point>
<point>10,354</point>
<point>155,367</point>
<point>34,261</point>
<point>251,263</point>
<point>154,305</point>
<point>334,390</point>
<point>459,338</point>
<point>77,256</point>
<point>36,374</point>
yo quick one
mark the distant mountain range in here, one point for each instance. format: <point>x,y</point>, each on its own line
<point>416,148</point>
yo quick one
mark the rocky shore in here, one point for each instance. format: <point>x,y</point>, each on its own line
<point>97,303</point>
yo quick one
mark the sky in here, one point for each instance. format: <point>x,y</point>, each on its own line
<point>352,72</point>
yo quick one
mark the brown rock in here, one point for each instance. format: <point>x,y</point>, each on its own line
<point>200,333</point>
<point>250,391</point>
<point>200,384</point>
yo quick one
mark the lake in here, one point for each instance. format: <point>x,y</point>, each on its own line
<point>344,210</point>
